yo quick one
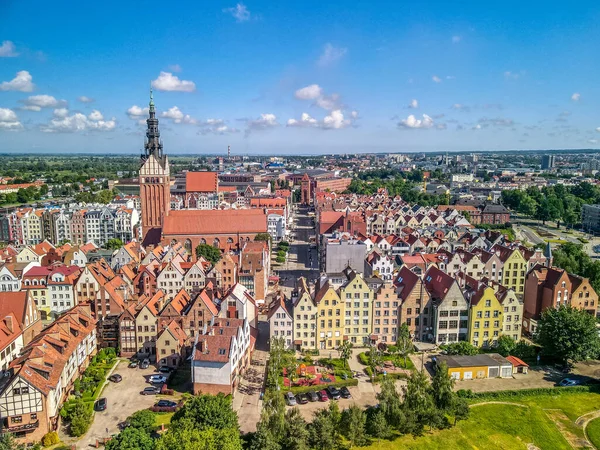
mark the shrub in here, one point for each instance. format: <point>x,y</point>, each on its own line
<point>525,392</point>
<point>363,358</point>
<point>50,438</point>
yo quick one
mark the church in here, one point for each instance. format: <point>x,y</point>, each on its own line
<point>225,229</point>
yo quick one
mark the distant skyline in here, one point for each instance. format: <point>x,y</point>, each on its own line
<point>299,78</point>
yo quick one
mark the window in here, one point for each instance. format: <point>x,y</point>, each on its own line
<point>16,419</point>
<point>16,391</point>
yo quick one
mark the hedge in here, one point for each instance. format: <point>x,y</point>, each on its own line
<point>515,393</point>
<point>338,384</point>
<point>379,378</point>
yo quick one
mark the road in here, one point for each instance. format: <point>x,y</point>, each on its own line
<point>302,260</point>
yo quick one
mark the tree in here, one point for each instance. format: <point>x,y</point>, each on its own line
<point>322,431</point>
<point>80,416</point>
<point>131,438</point>
<point>143,419</point>
<point>568,334</point>
<point>7,442</point>
<point>296,431</point>
<point>208,252</point>
<point>353,425</point>
<point>404,344</point>
<point>114,244</point>
<point>460,348</point>
<point>266,237</point>
<point>209,411</point>
<point>183,435</point>
<point>442,388</point>
<point>377,425</point>
<point>506,345</point>
<point>345,350</point>
<point>390,404</point>
<point>461,409</point>
<point>418,402</point>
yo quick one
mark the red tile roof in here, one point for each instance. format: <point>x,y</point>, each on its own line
<point>201,181</point>
<point>229,221</point>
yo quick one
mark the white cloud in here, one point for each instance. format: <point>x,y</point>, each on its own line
<point>331,55</point>
<point>450,77</point>
<point>37,102</point>
<point>264,122</point>
<point>334,120</point>
<point>461,107</point>
<point>239,12</point>
<point>511,75</point>
<point>215,126</point>
<point>311,92</point>
<point>9,120</point>
<point>137,113</point>
<point>593,141</point>
<point>21,82</point>
<point>305,121</point>
<point>177,116</point>
<point>328,102</point>
<point>175,68</point>
<point>84,99</point>
<point>496,121</point>
<point>477,127</point>
<point>441,126</point>
<point>166,81</point>
<point>576,96</point>
<point>412,122</point>
<point>95,116</point>
<point>61,112</point>
<point>63,123</point>
<point>456,39</point>
<point>598,129</point>
<point>436,79</point>
<point>414,104</point>
<point>8,50</point>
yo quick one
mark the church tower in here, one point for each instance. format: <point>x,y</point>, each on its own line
<point>154,174</point>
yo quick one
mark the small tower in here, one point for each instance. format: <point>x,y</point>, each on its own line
<point>548,255</point>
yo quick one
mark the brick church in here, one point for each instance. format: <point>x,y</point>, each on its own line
<point>225,229</point>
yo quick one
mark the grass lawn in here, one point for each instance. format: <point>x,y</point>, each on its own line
<point>493,426</point>
<point>163,418</point>
<point>593,432</point>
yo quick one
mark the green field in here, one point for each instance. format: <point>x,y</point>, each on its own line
<point>544,421</point>
<point>593,432</point>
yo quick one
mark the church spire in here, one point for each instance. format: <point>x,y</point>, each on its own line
<point>153,145</point>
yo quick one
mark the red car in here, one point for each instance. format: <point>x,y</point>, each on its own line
<point>323,397</point>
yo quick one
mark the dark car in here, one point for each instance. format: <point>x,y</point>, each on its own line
<point>345,392</point>
<point>334,393</point>
<point>145,364</point>
<point>312,396</point>
<point>115,378</point>
<point>150,390</point>
<point>166,404</point>
<point>100,404</point>
<point>165,369</point>
<point>302,399</point>
<point>323,396</point>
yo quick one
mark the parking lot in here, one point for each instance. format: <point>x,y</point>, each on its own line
<point>124,399</point>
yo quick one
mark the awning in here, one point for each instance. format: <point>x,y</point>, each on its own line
<point>298,342</point>
<point>273,278</point>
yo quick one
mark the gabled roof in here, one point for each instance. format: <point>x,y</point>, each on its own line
<point>201,181</point>
<point>438,283</point>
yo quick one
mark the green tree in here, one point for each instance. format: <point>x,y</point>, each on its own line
<point>324,429</point>
<point>131,438</point>
<point>143,419</point>
<point>114,244</point>
<point>266,237</point>
<point>390,404</point>
<point>353,425</point>
<point>185,436</point>
<point>461,409</point>
<point>209,411</point>
<point>80,416</point>
<point>296,431</point>
<point>418,402</point>
<point>208,252</point>
<point>404,344</point>
<point>7,442</point>
<point>377,425</point>
<point>506,345</point>
<point>442,388</point>
<point>345,350</point>
<point>568,334</point>
<point>460,348</point>
<point>527,206</point>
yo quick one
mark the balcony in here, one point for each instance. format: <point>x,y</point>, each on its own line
<point>27,427</point>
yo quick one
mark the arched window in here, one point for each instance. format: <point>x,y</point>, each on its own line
<point>229,240</point>
<point>188,245</point>
<point>217,243</point>
<point>203,241</point>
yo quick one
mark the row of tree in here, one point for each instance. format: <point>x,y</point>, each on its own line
<point>24,195</point>
<point>556,203</point>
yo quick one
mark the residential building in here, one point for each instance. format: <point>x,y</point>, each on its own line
<point>170,344</point>
<point>305,318</point>
<point>416,307</point>
<point>358,299</point>
<point>330,316</point>
<point>385,314</point>
<point>486,316</point>
<point>280,317</point>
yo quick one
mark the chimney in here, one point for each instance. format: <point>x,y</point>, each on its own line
<point>205,346</point>
<point>8,321</point>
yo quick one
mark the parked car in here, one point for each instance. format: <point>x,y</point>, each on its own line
<point>145,364</point>
<point>569,382</point>
<point>334,392</point>
<point>323,396</point>
<point>133,365</point>
<point>100,404</point>
<point>165,369</point>
<point>150,390</point>
<point>290,399</point>
<point>312,396</point>
<point>115,378</point>
<point>157,379</point>
<point>345,392</point>
<point>166,404</point>
<point>302,399</point>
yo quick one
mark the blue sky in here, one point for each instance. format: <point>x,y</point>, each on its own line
<point>299,77</point>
